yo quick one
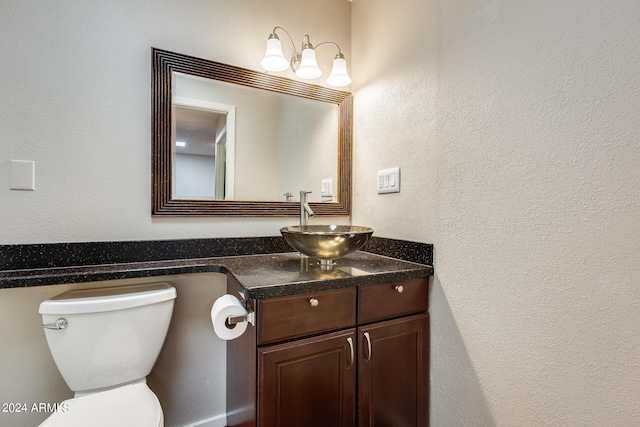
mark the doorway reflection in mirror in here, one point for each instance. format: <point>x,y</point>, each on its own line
<point>199,153</point>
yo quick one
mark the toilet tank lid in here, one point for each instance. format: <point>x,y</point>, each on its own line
<point>107,299</point>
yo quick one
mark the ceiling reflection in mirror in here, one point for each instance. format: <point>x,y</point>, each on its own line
<point>235,142</point>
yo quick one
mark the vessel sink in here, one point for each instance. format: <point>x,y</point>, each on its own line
<point>326,242</point>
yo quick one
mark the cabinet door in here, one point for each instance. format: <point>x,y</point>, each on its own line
<point>309,382</point>
<point>394,373</point>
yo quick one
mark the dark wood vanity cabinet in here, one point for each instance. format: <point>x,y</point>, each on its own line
<point>393,373</point>
<point>309,382</point>
<point>340,358</point>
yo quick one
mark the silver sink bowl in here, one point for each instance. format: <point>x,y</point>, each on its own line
<point>326,242</point>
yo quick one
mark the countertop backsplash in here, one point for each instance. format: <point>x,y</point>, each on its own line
<point>54,255</point>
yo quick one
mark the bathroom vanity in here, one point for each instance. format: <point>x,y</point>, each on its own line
<point>345,357</point>
<point>344,347</point>
<point>350,348</point>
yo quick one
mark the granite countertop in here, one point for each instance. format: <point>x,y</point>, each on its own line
<point>262,275</point>
<point>266,276</point>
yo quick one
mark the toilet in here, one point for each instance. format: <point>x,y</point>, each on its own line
<point>105,342</point>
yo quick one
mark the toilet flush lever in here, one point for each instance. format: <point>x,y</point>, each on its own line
<point>61,323</point>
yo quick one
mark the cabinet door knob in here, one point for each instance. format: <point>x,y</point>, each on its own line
<point>367,357</point>
<point>399,288</point>
<point>314,302</point>
<point>350,341</point>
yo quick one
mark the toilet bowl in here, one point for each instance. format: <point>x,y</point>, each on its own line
<point>127,406</point>
<point>105,342</point>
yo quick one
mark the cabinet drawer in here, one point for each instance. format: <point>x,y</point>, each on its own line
<point>299,315</point>
<point>392,300</point>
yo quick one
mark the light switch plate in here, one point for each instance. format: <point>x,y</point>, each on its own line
<point>388,180</point>
<point>327,188</point>
<point>23,175</point>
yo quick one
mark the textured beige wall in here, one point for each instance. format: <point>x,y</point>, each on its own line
<point>528,185</point>
<point>76,100</point>
<point>395,85</point>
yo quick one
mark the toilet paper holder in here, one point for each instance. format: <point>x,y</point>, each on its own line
<point>249,317</point>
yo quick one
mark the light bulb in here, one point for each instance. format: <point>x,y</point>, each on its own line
<point>308,68</point>
<point>274,59</point>
<point>339,76</point>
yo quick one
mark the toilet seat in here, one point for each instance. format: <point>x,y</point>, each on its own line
<point>132,405</point>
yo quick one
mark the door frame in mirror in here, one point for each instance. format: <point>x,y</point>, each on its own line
<point>229,130</point>
<point>164,64</point>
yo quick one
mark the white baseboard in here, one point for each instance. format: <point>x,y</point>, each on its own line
<point>217,421</point>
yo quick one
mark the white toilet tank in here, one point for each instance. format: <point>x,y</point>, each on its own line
<point>113,335</point>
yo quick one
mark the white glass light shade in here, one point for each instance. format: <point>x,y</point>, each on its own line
<point>339,75</point>
<point>308,68</point>
<point>274,59</point>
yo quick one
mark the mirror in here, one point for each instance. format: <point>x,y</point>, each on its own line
<point>211,150</point>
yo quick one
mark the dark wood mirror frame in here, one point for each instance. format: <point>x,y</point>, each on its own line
<point>164,63</point>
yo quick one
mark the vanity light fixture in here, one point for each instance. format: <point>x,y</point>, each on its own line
<point>304,65</point>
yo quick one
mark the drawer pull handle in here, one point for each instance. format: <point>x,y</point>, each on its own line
<point>350,341</point>
<point>314,302</point>
<point>400,289</point>
<point>368,338</point>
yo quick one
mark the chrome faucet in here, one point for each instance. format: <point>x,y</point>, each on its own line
<point>305,209</point>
